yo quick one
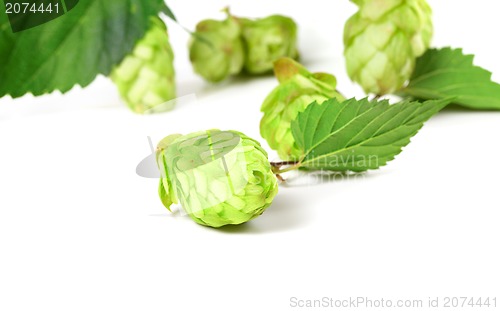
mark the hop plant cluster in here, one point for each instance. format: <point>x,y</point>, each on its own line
<point>383,40</point>
<point>297,89</point>
<point>218,177</point>
<point>146,77</point>
<point>220,49</point>
<point>224,177</point>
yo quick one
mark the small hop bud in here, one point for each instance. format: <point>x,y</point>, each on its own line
<point>218,177</point>
<point>146,77</point>
<point>268,39</point>
<point>298,88</point>
<point>216,49</point>
<point>382,41</point>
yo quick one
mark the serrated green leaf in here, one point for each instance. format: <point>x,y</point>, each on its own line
<point>73,49</point>
<point>358,135</point>
<point>442,73</point>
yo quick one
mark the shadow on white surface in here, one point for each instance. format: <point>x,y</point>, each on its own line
<point>287,213</point>
<point>453,111</point>
<point>290,210</point>
<point>301,179</point>
<point>456,109</point>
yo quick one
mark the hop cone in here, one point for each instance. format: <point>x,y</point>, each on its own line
<point>219,177</point>
<point>268,39</point>
<point>298,88</point>
<point>216,50</point>
<point>382,41</point>
<point>146,77</point>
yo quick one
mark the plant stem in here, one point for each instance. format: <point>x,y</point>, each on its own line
<point>280,178</point>
<point>292,165</point>
<point>288,169</point>
<point>280,164</point>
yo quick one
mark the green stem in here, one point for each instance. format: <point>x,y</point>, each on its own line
<point>292,165</point>
<point>280,164</point>
<point>290,168</point>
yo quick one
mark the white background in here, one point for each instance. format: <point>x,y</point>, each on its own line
<point>79,230</point>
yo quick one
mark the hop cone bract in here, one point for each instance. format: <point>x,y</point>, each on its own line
<point>216,49</point>
<point>298,88</point>
<point>219,177</point>
<point>268,39</point>
<point>146,77</point>
<point>382,41</point>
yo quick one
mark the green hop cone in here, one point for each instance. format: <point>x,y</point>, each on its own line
<point>216,49</point>
<point>218,177</point>
<point>382,41</point>
<point>268,39</point>
<point>297,89</point>
<point>146,77</point>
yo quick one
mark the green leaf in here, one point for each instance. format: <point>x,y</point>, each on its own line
<point>166,9</point>
<point>164,195</point>
<point>358,135</point>
<point>442,73</point>
<point>73,49</point>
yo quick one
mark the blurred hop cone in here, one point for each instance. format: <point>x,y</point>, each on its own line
<point>382,41</point>
<point>216,49</point>
<point>297,89</point>
<point>266,40</point>
<point>146,77</point>
<point>218,177</point>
